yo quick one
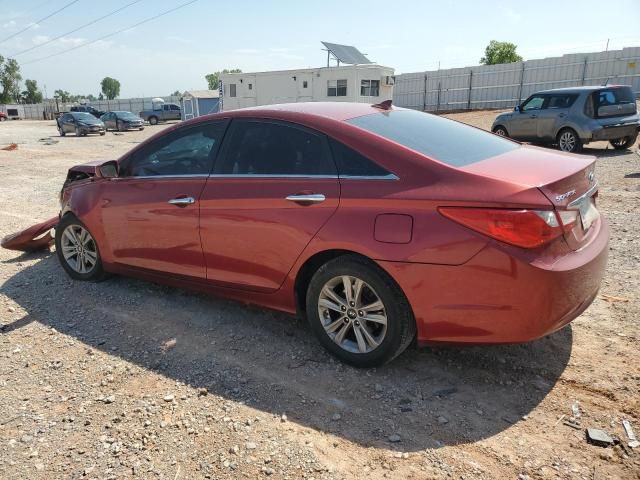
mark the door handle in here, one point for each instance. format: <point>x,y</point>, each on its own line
<point>182,201</point>
<point>307,198</point>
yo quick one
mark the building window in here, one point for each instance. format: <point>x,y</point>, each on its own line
<point>232,89</point>
<point>336,88</point>
<point>250,86</point>
<point>370,88</point>
<point>304,84</point>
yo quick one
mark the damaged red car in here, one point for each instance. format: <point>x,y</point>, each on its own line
<point>378,224</point>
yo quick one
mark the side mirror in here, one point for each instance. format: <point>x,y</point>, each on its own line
<point>517,108</point>
<point>108,169</point>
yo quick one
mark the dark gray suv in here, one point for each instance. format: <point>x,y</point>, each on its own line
<point>572,117</point>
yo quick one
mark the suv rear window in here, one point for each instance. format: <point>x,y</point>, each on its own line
<point>441,139</point>
<point>614,101</point>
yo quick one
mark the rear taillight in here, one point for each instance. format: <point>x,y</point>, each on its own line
<point>522,228</point>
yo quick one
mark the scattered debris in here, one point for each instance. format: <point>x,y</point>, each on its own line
<point>49,141</point>
<point>573,424</point>
<point>633,440</point>
<point>10,147</point>
<point>394,438</point>
<point>599,438</point>
<point>575,409</point>
<point>613,298</point>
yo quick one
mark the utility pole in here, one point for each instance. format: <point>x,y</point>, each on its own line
<point>607,47</point>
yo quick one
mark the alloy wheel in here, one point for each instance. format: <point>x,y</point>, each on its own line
<point>352,314</point>
<point>79,249</point>
<point>567,142</point>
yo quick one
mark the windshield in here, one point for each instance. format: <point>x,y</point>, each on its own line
<point>84,116</point>
<point>450,142</point>
<point>127,116</point>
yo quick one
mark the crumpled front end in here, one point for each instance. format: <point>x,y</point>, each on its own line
<point>36,237</point>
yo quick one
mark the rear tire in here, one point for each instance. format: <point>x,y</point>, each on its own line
<point>367,327</point>
<point>501,131</point>
<point>568,141</point>
<point>624,142</point>
<point>119,127</point>
<point>77,250</point>
<point>61,131</point>
<point>153,120</point>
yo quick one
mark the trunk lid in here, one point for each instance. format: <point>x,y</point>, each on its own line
<point>567,181</point>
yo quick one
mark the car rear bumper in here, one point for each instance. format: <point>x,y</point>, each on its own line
<point>499,298</point>
<point>614,132</point>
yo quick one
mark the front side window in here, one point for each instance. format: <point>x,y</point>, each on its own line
<point>262,148</point>
<point>186,151</point>
<point>232,89</point>
<point>435,137</point>
<point>534,103</point>
<point>336,88</point>
<point>370,88</point>
<point>174,107</point>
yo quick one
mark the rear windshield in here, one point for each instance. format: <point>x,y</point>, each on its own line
<point>615,96</point>
<point>450,142</point>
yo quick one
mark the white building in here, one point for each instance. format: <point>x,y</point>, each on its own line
<point>363,82</point>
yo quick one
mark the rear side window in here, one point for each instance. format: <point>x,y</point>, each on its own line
<point>615,96</point>
<point>261,147</point>
<point>447,141</point>
<point>561,101</point>
<point>352,164</point>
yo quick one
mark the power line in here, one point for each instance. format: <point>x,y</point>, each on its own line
<point>76,29</point>
<point>39,21</point>
<point>112,34</point>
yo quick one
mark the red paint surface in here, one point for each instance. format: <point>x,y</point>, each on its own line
<point>243,240</point>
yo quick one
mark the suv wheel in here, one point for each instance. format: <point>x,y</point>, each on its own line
<point>501,131</point>
<point>61,131</point>
<point>568,141</point>
<point>153,120</point>
<point>624,142</point>
<point>358,312</point>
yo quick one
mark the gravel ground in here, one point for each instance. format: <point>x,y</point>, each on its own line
<point>127,379</point>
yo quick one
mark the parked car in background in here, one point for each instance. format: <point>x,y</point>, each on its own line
<point>3,116</point>
<point>573,117</point>
<point>121,121</point>
<point>80,123</point>
<point>164,112</point>
<point>86,108</point>
<point>379,224</point>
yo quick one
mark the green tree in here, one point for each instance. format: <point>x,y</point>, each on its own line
<point>9,80</point>
<point>500,52</point>
<point>32,94</point>
<point>213,79</point>
<point>100,96</point>
<point>110,87</point>
<point>177,93</point>
<point>91,97</point>
<point>63,95</point>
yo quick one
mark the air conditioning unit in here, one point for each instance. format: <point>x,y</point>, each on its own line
<point>389,80</point>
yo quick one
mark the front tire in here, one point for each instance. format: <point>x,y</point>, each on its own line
<point>568,141</point>
<point>77,250</point>
<point>624,142</point>
<point>501,131</point>
<point>358,312</point>
<point>153,120</point>
<point>61,131</point>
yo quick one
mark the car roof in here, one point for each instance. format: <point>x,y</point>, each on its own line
<point>586,88</point>
<point>334,110</point>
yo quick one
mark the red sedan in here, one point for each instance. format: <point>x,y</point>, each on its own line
<point>381,225</point>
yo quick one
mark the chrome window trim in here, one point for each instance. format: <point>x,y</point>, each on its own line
<point>143,177</point>
<point>390,176</point>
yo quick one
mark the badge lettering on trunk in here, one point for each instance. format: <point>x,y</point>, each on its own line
<point>565,195</point>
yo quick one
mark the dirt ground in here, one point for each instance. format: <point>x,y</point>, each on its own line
<point>127,379</point>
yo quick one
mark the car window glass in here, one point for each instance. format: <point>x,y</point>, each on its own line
<point>534,103</point>
<point>560,101</point>
<point>269,148</point>
<point>187,151</point>
<point>353,164</point>
<point>174,107</point>
<point>439,138</point>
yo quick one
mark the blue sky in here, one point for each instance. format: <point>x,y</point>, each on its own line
<point>176,51</point>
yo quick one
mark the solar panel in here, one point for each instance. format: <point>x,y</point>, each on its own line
<point>346,53</point>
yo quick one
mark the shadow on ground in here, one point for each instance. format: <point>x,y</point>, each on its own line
<point>430,397</point>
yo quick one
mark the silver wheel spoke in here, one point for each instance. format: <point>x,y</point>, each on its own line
<point>362,344</point>
<point>348,288</point>
<point>325,302</point>
<point>78,249</point>
<point>357,291</point>
<point>339,338</point>
<point>332,327</point>
<point>70,235</point>
<point>376,318</point>
<point>333,295</point>
<point>373,307</point>
<point>368,337</point>
<point>90,257</point>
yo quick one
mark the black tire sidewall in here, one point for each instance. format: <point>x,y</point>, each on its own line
<point>506,134</point>
<point>578,144</point>
<point>629,141</point>
<point>97,273</point>
<point>396,306</point>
